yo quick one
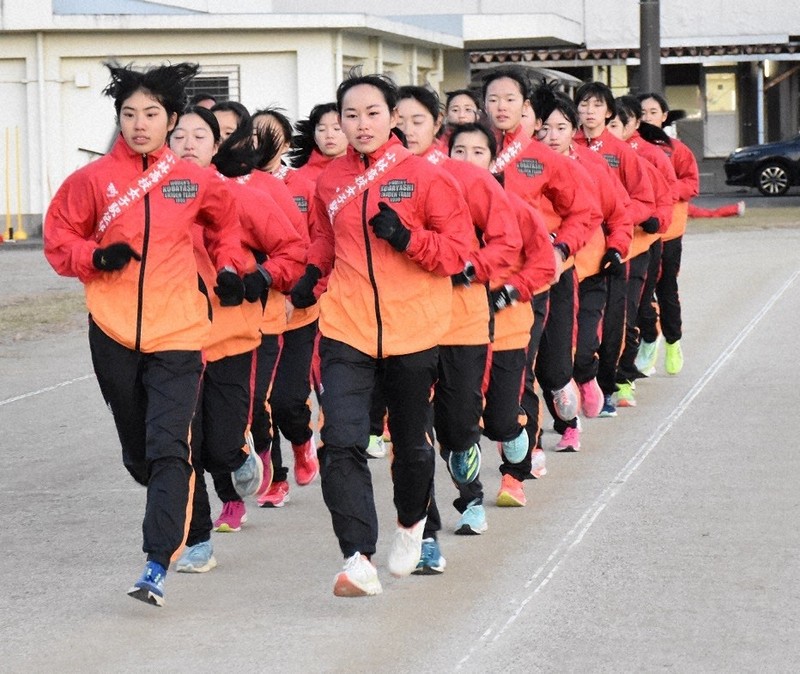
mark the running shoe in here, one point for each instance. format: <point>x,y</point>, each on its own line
<point>591,398</point>
<point>625,396</point>
<point>538,463</point>
<point>565,401</point>
<point>431,561</point>
<point>358,578</point>
<point>269,473</point>
<point>517,449</point>
<point>609,408</point>
<point>197,558</point>
<point>276,496</point>
<point>511,494</point>
<point>466,466</point>
<point>570,441</point>
<point>406,549</point>
<point>673,360</point>
<point>376,449</point>
<point>231,518</point>
<point>248,477</point>
<point>647,357</point>
<point>472,521</point>
<point>306,464</point>
<point>150,587</point>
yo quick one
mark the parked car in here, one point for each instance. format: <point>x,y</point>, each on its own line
<point>772,167</point>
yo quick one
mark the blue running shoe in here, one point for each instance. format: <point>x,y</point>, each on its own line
<point>473,520</point>
<point>248,477</point>
<point>431,561</point>
<point>197,558</point>
<point>609,408</point>
<point>150,587</point>
<point>517,449</point>
<point>465,466</point>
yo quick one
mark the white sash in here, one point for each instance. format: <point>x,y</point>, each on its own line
<point>281,172</point>
<point>136,190</point>
<point>436,156</point>
<point>507,156</point>
<point>344,195</point>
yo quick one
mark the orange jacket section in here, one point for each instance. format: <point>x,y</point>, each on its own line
<point>686,170</point>
<point>234,330</point>
<point>381,301</point>
<point>500,242</point>
<point>152,305</point>
<point>540,172</point>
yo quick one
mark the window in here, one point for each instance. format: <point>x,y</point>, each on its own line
<point>222,82</point>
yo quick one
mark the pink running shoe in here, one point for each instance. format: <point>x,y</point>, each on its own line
<point>266,482</point>
<point>570,441</point>
<point>231,518</point>
<point>276,496</point>
<point>591,398</point>
<point>306,464</point>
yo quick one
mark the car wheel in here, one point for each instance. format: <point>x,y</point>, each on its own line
<point>773,180</point>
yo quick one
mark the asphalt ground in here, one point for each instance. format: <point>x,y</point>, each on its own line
<point>670,542</point>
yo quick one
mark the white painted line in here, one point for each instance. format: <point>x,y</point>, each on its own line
<point>45,390</point>
<point>575,535</point>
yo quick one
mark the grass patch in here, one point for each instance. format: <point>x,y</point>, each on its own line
<point>35,316</point>
<point>754,218</point>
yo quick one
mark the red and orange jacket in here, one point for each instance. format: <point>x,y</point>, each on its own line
<point>152,305</point>
<point>313,168</point>
<point>617,230</point>
<point>381,301</point>
<point>537,172</point>
<point>623,160</point>
<point>533,269</point>
<point>496,241</point>
<point>685,165</point>
<point>302,191</point>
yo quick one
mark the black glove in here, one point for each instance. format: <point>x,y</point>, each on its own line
<point>465,277</point>
<point>256,283</point>
<point>504,297</point>
<point>387,226</point>
<point>650,226</point>
<point>114,257</point>
<point>229,288</point>
<point>612,264</point>
<point>303,292</point>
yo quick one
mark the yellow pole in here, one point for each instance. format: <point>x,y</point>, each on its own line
<point>20,234</point>
<point>9,230</point>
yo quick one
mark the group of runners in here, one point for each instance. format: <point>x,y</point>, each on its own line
<point>432,272</point>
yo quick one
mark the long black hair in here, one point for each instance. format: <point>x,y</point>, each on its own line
<point>165,83</point>
<point>303,141</point>
<point>631,107</point>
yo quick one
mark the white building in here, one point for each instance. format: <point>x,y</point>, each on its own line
<point>720,59</point>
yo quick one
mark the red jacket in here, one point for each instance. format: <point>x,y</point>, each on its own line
<point>316,164</point>
<point>622,158</point>
<point>536,172</point>
<point>381,301</point>
<point>152,305</point>
<point>688,186</point>
<point>492,254</point>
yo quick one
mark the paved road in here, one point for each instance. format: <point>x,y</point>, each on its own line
<point>671,542</point>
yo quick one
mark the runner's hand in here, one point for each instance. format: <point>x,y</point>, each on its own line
<point>388,226</point>
<point>303,292</point>
<point>229,288</point>
<point>256,283</point>
<point>114,257</point>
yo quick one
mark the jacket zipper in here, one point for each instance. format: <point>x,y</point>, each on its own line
<point>370,268</point>
<point>140,293</point>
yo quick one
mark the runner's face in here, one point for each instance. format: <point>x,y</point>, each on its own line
<point>504,104</point>
<point>529,122</point>
<point>329,137</point>
<point>228,121</point>
<point>418,125</point>
<point>593,113</point>
<point>620,130</point>
<point>193,140</point>
<point>557,132</point>
<point>462,110</point>
<point>652,112</point>
<point>144,122</point>
<point>366,119</point>
<point>472,146</point>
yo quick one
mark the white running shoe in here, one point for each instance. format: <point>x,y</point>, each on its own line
<point>406,549</point>
<point>358,578</point>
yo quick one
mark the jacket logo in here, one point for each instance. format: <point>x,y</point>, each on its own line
<point>111,190</point>
<point>180,191</point>
<point>302,203</point>
<point>397,190</point>
<point>530,167</point>
<point>612,159</point>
